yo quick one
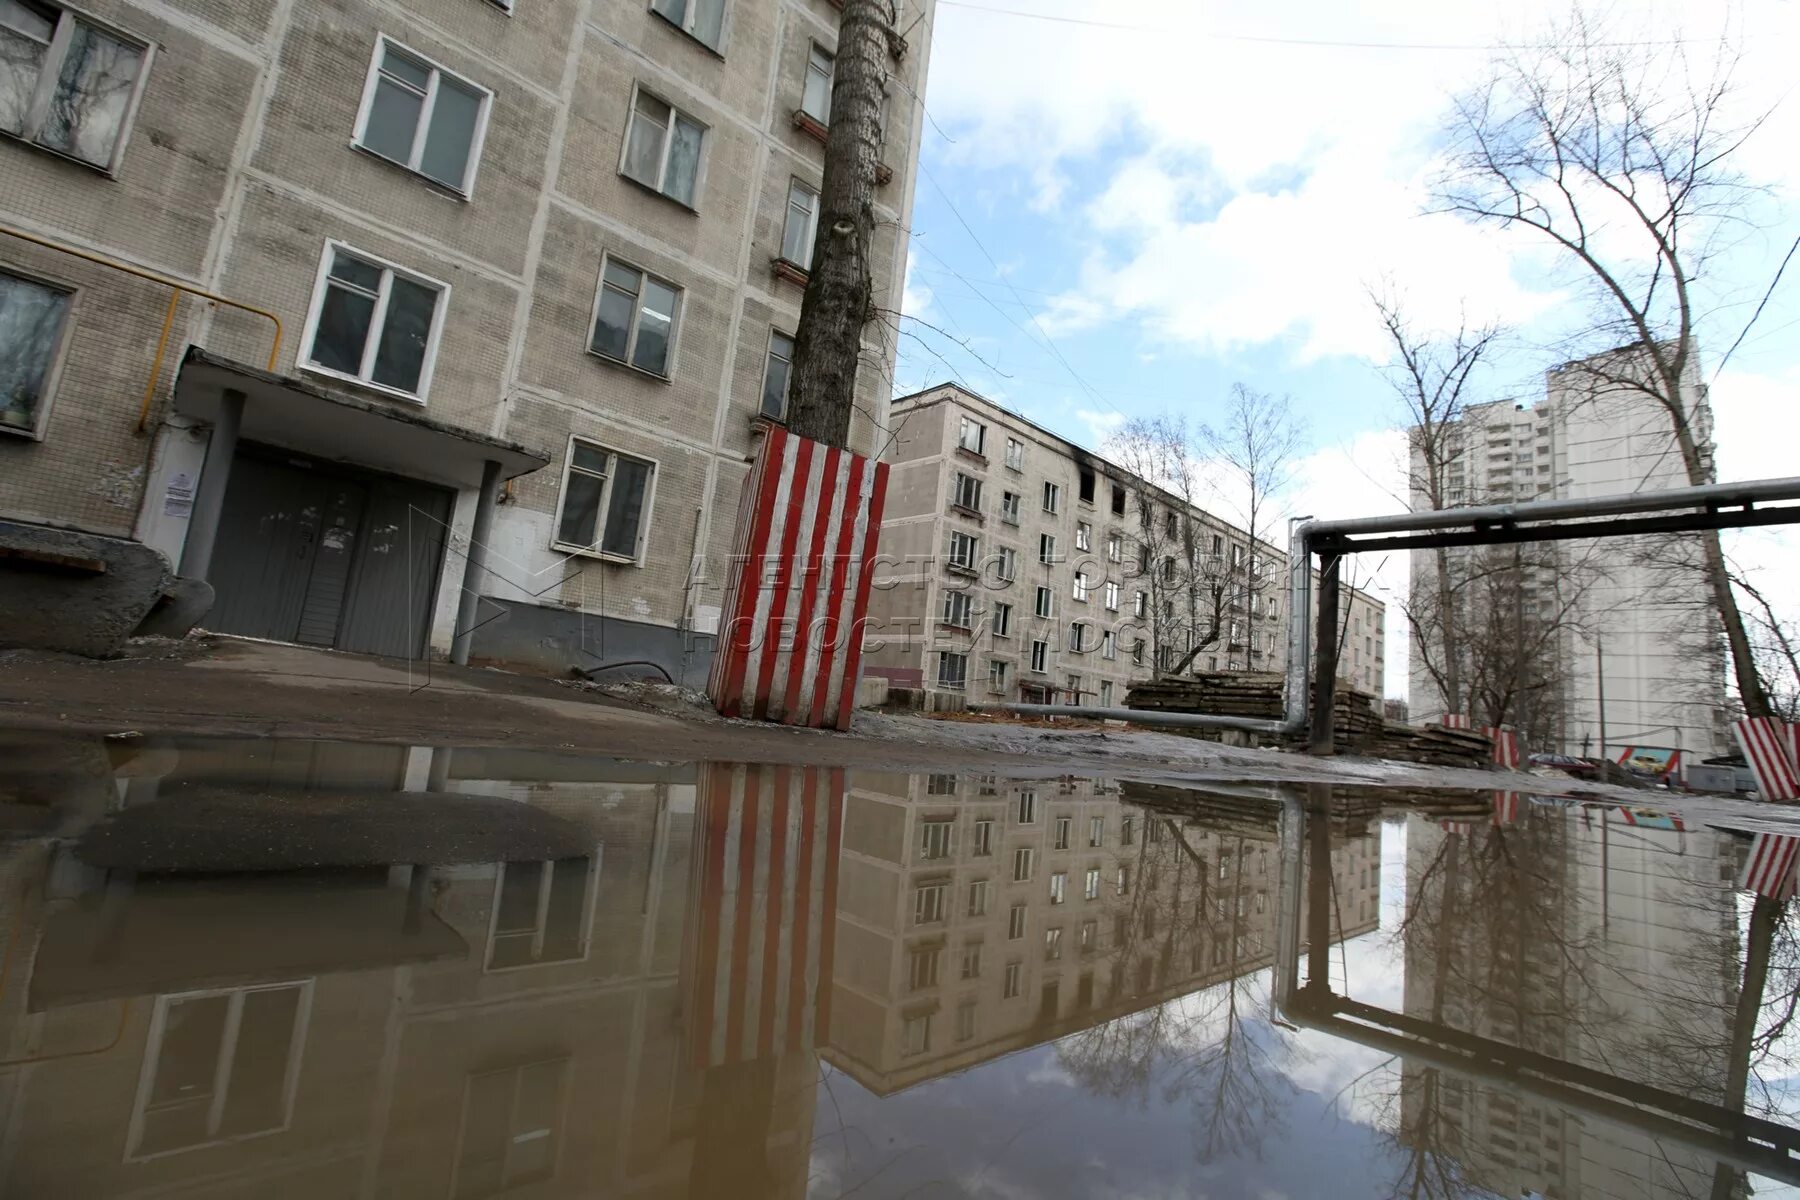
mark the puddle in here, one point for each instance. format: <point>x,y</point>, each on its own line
<point>295,968</point>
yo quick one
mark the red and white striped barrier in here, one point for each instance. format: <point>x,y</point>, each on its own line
<point>1770,869</point>
<point>758,960</point>
<point>1506,746</point>
<point>1506,807</point>
<point>1769,747</point>
<point>1455,721</point>
<point>797,597</point>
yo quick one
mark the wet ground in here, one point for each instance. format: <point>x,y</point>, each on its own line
<point>288,967</point>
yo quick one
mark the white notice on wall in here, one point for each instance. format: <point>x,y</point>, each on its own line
<point>178,497</point>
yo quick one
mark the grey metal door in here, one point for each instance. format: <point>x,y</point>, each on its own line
<point>326,557</point>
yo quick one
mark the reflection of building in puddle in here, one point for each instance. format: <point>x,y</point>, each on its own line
<point>978,916</point>
<point>1571,934</point>
<point>452,1028</point>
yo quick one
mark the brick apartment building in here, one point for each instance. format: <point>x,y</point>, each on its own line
<point>1012,566</point>
<point>536,266</point>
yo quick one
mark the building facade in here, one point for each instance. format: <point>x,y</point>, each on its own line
<point>1017,565</point>
<point>532,266</point>
<point>1625,618</point>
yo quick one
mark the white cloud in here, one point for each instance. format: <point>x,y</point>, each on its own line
<point>1100,426</point>
<point>915,294</point>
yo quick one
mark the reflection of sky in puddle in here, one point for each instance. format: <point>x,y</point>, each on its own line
<point>540,1024</point>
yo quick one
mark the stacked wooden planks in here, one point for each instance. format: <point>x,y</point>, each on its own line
<point>1358,726</point>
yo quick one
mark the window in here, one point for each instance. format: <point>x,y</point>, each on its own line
<point>419,115</point>
<point>1168,568</point>
<point>953,670</point>
<point>540,913</point>
<point>984,839</point>
<point>1074,689</point>
<point>801,225</point>
<point>33,317</point>
<point>815,93</point>
<point>1078,637</point>
<point>1009,507</point>
<point>374,323</point>
<point>965,1021</point>
<point>1109,645</point>
<point>662,148</point>
<point>66,84</point>
<point>635,318</point>
<point>1015,922</point>
<point>1015,454</point>
<point>1084,536</point>
<point>1002,620</point>
<point>778,373</point>
<point>1124,883</point>
<point>1028,807</point>
<point>1118,500</point>
<point>1089,929</point>
<point>704,20</point>
<point>1137,652</point>
<point>605,502</point>
<point>1063,825</point>
<point>1171,524</point>
<point>1040,657</point>
<point>964,550</point>
<point>1042,602</point>
<point>1106,690</point>
<point>1125,826</point>
<point>934,838</point>
<point>1096,832</point>
<point>966,492</point>
<point>928,905</point>
<point>1059,882</point>
<point>971,961</point>
<point>195,1087</point>
<point>1091,890</point>
<point>1115,547</point>
<point>940,785</point>
<point>1052,497</point>
<point>1083,586</point>
<point>978,898</point>
<point>1047,548</point>
<point>1013,984</point>
<point>915,1035</point>
<point>511,1128</point>
<point>1052,944</point>
<point>971,435</point>
<point>1084,485</point>
<point>1112,596</point>
<point>1140,605</point>
<point>996,676</point>
<point>1022,864</point>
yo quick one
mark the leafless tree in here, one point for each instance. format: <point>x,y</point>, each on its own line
<point>839,300</point>
<point>1619,154</point>
<point>1257,445</point>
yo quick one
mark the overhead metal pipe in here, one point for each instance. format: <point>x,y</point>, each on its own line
<point>1137,716</point>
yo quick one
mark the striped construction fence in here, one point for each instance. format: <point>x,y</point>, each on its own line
<point>1769,870</point>
<point>1506,807</point>
<point>1772,748</point>
<point>758,958</point>
<point>1506,745</point>
<point>1455,721</point>
<point>797,594</point>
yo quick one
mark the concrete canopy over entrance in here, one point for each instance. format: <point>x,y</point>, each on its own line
<point>284,411</point>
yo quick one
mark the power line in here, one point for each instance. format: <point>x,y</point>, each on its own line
<point>1255,39</point>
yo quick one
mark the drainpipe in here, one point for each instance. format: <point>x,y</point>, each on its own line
<point>475,563</point>
<point>209,497</point>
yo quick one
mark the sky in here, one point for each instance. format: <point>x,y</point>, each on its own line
<point>1124,207</point>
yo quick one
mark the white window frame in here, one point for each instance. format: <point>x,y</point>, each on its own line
<point>377,319</point>
<point>58,353</point>
<point>637,315</point>
<point>1002,620</point>
<point>769,357</point>
<point>1052,497</point>
<point>1115,547</point>
<point>1109,644</point>
<point>997,676</point>
<point>1043,603</point>
<point>931,903</point>
<point>965,491</point>
<point>662,161</point>
<point>1084,536</point>
<point>812,220</point>
<point>965,424</point>
<point>1040,657</point>
<point>958,603</point>
<point>1009,507</point>
<point>643,540</point>
<point>1015,454</point>
<point>686,24</point>
<point>1083,588</point>
<point>943,657</point>
<point>587,914</point>
<point>153,1048</point>
<point>517,1072</point>
<point>1047,549</point>
<point>934,838</point>
<point>51,73</point>
<point>466,189</point>
<point>813,50</point>
<point>969,559</point>
<point>1112,595</point>
<point>1006,564</point>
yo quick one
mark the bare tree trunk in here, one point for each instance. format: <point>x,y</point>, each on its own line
<point>839,297</point>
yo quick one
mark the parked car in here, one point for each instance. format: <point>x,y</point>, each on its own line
<point>1580,768</point>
